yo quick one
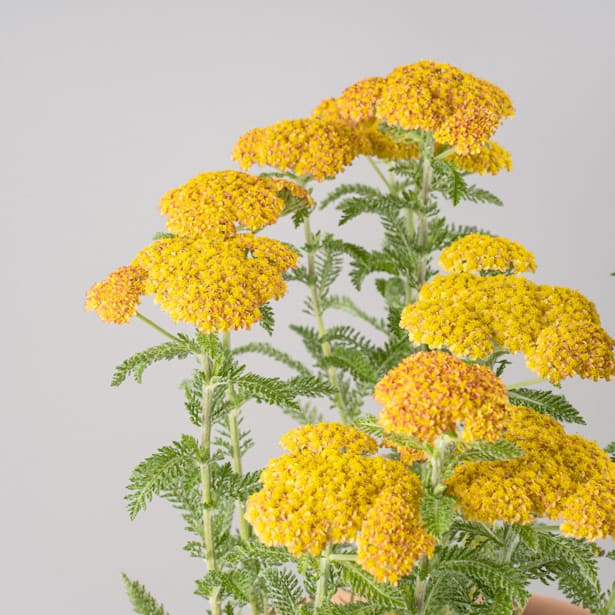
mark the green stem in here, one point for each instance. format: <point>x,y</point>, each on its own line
<point>525,383</point>
<point>376,168</point>
<point>409,291</point>
<point>233,426</point>
<point>316,306</point>
<point>420,588</point>
<point>158,328</point>
<point>343,557</point>
<point>423,229</point>
<point>206,480</point>
<point>609,609</point>
<point>323,573</point>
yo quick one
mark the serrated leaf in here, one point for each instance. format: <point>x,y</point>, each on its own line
<point>480,450</point>
<point>270,351</point>
<point>284,591</point>
<point>138,363</point>
<point>546,402</point>
<point>141,600</point>
<point>363,584</point>
<point>437,513</point>
<point>158,472</point>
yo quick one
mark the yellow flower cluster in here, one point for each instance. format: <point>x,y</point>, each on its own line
<point>211,204</point>
<point>313,147</point>
<point>117,297</point>
<point>563,477</point>
<point>475,253</point>
<point>430,393</point>
<point>558,329</point>
<point>458,108</point>
<point>371,142</point>
<point>461,110</point>
<point>318,495</point>
<point>491,158</point>
<point>318,437</point>
<point>392,535</point>
<point>215,285</point>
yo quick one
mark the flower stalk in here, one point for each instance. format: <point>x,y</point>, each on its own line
<point>317,309</point>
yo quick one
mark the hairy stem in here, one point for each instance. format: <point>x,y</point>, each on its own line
<point>316,306</point>
<point>423,229</point>
<point>525,383</point>
<point>420,588</point>
<point>206,432</point>
<point>233,426</point>
<point>158,328</point>
<point>323,573</point>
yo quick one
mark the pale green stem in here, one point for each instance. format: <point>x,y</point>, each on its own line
<point>380,174</point>
<point>233,426</point>
<point>423,231</point>
<point>609,609</point>
<point>525,383</point>
<point>323,573</point>
<point>316,307</point>
<point>421,587</point>
<point>343,557</point>
<point>410,294</point>
<point>206,429</point>
<point>158,328</point>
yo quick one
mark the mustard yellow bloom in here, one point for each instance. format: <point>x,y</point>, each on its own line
<point>358,101</point>
<point>117,297</point>
<point>475,253</point>
<point>316,438</point>
<point>458,108</point>
<point>557,328</point>
<point>311,499</point>
<point>563,477</point>
<point>491,158</point>
<point>430,393</point>
<point>215,285</point>
<point>392,535</point>
<point>211,205</point>
<point>371,142</point>
<point>571,348</point>
<point>311,147</point>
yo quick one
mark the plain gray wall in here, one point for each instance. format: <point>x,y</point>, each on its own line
<point>106,105</point>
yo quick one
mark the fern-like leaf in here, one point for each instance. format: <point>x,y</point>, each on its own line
<point>284,591</point>
<point>271,351</point>
<point>141,600</point>
<point>159,471</point>
<point>363,584</point>
<point>610,450</point>
<point>138,363</point>
<point>546,402</point>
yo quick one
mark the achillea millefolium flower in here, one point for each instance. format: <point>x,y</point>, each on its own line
<point>563,477</point>
<point>460,109</point>
<point>557,328</point>
<point>215,285</point>
<point>312,147</point>
<point>475,253</point>
<point>211,205</point>
<point>371,141</point>
<point>117,297</point>
<point>430,393</point>
<point>490,158</point>
<point>323,493</point>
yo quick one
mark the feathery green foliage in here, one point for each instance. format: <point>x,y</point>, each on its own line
<point>141,600</point>
<point>138,363</point>
<point>546,402</point>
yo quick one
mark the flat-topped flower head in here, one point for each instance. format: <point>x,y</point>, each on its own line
<point>310,499</point>
<point>117,297</point>
<point>312,147</point>
<point>215,285</point>
<point>318,437</point>
<point>557,328</point>
<point>431,393</point>
<point>211,205</point>
<point>357,102</point>
<point>491,158</point>
<point>563,477</point>
<point>460,109</point>
<point>477,253</point>
<point>570,348</point>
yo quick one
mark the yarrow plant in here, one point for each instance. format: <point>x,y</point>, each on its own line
<point>461,489</point>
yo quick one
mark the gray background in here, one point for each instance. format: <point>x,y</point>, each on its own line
<point>106,105</point>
